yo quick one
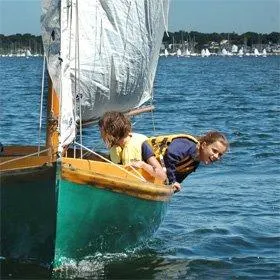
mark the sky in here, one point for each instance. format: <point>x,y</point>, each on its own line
<point>205,16</point>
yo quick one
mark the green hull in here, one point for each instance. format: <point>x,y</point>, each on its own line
<point>28,214</point>
<point>92,220</point>
<point>46,218</point>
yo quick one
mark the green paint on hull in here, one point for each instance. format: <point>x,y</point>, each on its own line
<point>92,219</point>
<point>28,214</point>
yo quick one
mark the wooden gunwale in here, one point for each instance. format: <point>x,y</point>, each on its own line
<point>23,163</point>
<point>110,177</point>
<point>16,150</point>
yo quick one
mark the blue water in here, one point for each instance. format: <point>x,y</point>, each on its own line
<point>225,223</point>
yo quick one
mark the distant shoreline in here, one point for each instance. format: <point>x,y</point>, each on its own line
<point>20,44</point>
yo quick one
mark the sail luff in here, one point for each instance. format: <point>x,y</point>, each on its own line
<point>67,116</point>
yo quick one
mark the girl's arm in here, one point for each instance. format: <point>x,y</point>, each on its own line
<point>152,166</point>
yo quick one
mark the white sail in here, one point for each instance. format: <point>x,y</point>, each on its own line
<point>256,52</point>
<point>207,52</point>
<point>202,52</point>
<point>187,53</point>
<point>234,49</point>
<point>224,52</point>
<point>179,52</point>
<point>102,55</point>
<point>240,52</point>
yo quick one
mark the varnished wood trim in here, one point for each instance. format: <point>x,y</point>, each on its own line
<point>15,150</point>
<point>20,163</point>
<point>108,176</point>
<point>52,121</point>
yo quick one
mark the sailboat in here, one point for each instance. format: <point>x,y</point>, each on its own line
<point>63,200</point>
<point>240,52</point>
<point>264,53</point>
<point>256,52</point>
<point>179,53</point>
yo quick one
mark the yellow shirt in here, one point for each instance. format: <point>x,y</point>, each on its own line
<point>130,152</point>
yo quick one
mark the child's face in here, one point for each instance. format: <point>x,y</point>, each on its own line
<point>211,152</point>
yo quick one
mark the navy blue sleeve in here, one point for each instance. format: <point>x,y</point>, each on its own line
<point>177,150</point>
<point>147,151</point>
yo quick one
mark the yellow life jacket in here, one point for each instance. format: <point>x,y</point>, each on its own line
<point>130,152</point>
<point>160,143</point>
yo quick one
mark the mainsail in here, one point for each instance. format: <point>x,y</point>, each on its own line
<point>102,55</point>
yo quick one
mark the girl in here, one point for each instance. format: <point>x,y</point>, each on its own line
<point>181,154</point>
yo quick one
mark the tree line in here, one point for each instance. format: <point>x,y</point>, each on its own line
<point>20,42</point>
<point>17,42</point>
<point>204,39</point>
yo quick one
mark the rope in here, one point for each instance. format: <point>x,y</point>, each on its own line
<point>77,55</point>
<point>118,166</point>
<point>153,119</point>
<point>41,105</point>
<point>15,159</point>
<point>165,23</point>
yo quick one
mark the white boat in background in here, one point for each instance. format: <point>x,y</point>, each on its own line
<point>187,53</point>
<point>240,52</point>
<point>224,52</point>
<point>207,53</point>
<point>202,53</point>
<point>179,53</point>
<point>166,53</point>
<point>28,53</point>
<point>194,54</point>
<point>264,53</point>
<point>234,49</point>
<point>256,52</point>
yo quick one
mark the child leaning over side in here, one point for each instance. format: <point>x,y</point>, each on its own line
<point>126,147</point>
<point>182,153</point>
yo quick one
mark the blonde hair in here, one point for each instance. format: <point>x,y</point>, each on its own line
<point>114,126</point>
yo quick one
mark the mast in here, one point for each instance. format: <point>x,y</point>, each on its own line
<point>52,122</point>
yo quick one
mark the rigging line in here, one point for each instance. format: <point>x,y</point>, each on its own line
<point>164,18</point>
<point>41,104</point>
<point>77,50</point>
<point>70,48</point>
<point>15,159</point>
<point>61,88</point>
<point>52,37</point>
<point>153,118</point>
<point>117,165</point>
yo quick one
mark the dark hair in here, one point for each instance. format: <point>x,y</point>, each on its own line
<point>213,136</point>
<point>114,126</point>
